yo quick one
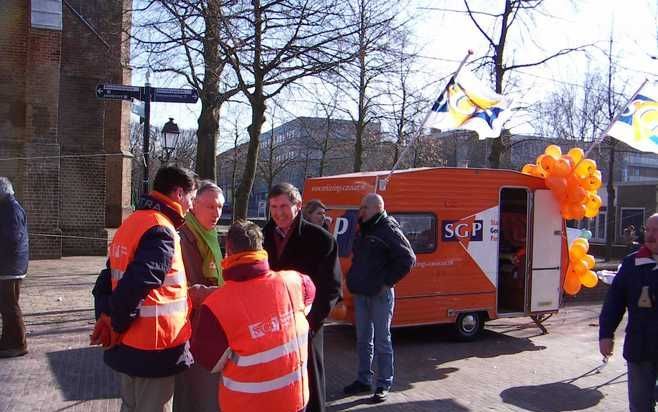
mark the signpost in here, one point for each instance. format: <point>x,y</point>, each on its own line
<point>147,94</point>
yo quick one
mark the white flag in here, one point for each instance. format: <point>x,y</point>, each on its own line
<point>469,104</point>
<point>638,124</point>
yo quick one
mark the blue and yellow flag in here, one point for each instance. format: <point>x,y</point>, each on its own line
<point>638,124</point>
<point>469,104</point>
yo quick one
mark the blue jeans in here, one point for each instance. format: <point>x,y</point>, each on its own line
<point>373,316</point>
<point>641,386</point>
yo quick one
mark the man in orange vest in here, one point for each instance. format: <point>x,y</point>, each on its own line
<point>144,316</point>
<point>254,329</point>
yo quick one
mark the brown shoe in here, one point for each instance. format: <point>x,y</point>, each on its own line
<point>12,353</point>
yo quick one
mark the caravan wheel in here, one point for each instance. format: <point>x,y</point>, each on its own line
<point>468,326</point>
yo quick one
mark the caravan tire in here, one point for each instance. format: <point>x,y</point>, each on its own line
<point>468,326</point>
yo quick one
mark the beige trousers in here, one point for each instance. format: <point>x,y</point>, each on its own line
<point>146,394</point>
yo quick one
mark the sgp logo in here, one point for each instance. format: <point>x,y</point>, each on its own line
<point>454,230</point>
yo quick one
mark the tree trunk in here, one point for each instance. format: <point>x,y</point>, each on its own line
<point>610,210</point>
<point>249,175</point>
<point>210,104</point>
<point>207,139</point>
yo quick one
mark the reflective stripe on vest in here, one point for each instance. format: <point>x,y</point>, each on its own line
<point>163,309</point>
<point>271,354</point>
<point>265,386</point>
<point>172,279</point>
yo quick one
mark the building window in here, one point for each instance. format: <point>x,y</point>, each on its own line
<point>630,216</point>
<point>47,14</point>
<point>420,229</point>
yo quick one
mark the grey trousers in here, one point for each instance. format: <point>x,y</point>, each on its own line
<point>196,390</point>
<point>146,394</point>
<point>641,386</point>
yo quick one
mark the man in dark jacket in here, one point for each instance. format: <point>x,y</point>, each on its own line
<point>294,244</point>
<point>634,289</point>
<point>381,256</point>
<point>145,309</point>
<point>14,256</point>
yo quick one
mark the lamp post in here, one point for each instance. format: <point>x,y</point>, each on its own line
<point>170,133</point>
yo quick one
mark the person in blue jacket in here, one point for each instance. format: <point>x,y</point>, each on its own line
<point>14,256</point>
<point>634,289</point>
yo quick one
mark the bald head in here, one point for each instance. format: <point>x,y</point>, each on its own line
<point>371,204</point>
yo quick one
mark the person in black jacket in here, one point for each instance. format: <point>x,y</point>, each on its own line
<point>381,257</point>
<point>14,256</point>
<point>634,289</point>
<point>152,285</point>
<point>294,244</point>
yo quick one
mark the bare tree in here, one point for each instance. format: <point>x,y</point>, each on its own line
<point>181,38</point>
<point>183,154</point>
<point>515,13</point>
<point>575,113</point>
<point>377,43</point>
<point>583,114</point>
<point>276,155</point>
<point>405,106</point>
<point>271,44</point>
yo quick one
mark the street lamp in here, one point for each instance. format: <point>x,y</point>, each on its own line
<point>170,133</point>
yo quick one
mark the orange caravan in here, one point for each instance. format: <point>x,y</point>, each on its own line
<point>489,243</point>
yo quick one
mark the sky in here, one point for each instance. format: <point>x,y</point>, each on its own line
<point>446,35</point>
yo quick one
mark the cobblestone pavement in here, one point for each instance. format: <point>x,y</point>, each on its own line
<point>511,368</point>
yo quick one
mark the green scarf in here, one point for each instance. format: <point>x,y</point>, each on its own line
<point>208,245</point>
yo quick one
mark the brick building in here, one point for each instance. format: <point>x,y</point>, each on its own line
<point>65,150</point>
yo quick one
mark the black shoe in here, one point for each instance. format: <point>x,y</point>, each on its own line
<point>380,395</point>
<point>356,387</point>
<point>12,353</point>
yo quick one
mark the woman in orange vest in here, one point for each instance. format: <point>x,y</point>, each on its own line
<point>254,329</point>
<point>142,296</point>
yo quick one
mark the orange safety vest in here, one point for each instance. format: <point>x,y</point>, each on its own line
<point>264,321</point>
<point>162,320</point>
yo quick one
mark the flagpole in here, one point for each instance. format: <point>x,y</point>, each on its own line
<point>614,120</point>
<point>422,125</point>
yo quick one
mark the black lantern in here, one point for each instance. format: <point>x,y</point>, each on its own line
<point>170,133</point>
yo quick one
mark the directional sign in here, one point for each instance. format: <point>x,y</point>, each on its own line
<point>118,92</point>
<point>163,94</point>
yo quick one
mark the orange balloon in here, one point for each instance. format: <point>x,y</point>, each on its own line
<point>564,211</point>
<point>580,265</point>
<point>572,285</point>
<point>581,241</point>
<point>589,279</point>
<point>577,210</point>
<point>589,261</point>
<point>585,168</point>
<point>570,160</point>
<point>576,252</point>
<point>561,168</point>
<point>527,169</point>
<point>558,185</point>
<point>591,212</point>
<point>593,201</point>
<point>592,181</point>
<point>576,195</point>
<point>553,151</point>
<point>576,154</point>
<point>546,163</point>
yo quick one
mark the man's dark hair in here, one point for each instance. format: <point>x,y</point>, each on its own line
<point>285,189</point>
<point>243,236</point>
<point>169,178</point>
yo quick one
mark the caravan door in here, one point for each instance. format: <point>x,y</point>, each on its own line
<point>546,253</point>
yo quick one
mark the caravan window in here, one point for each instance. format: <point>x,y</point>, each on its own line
<point>420,229</point>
